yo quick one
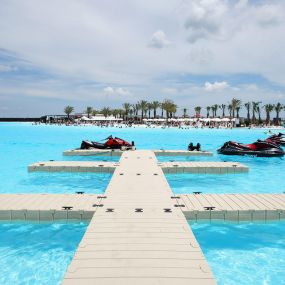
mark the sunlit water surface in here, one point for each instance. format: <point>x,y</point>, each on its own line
<point>245,254</point>
<point>37,254</point>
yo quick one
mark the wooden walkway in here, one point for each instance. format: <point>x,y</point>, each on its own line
<point>138,236</point>
<point>108,152</point>
<point>202,167</point>
<point>138,233</point>
<point>235,207</point>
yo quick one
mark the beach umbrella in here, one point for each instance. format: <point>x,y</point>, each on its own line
<point>216,120</point>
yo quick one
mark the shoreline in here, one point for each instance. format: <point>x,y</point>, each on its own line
<point>144,126</point>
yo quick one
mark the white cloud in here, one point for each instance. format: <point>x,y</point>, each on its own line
<point>159,40</point>
<point>7,68</point>
<point>216,86</point>
<point>204,19</point>
<point>109,90</point>
<point>270,15</point>
<point>117,91</point>
<point>109,48</point>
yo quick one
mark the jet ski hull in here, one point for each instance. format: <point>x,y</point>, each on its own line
<point>259,149</point>
<point>277,139</point>
<point>111,143</point>
<point>251,153</point>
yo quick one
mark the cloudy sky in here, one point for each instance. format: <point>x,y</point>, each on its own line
<point>105,53</point>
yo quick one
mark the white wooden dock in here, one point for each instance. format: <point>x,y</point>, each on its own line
<point>117,152</point>
<point>233,207</point>
<point>167,167</point>
<point>74,166</point>
<point>138,233</point>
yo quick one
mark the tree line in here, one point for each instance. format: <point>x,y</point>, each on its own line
<point>144,109</point>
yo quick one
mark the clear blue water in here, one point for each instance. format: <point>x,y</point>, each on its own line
<point>39,253</point>
<point>239,254</point>
<point>23,144</point>
<point>245,254</point>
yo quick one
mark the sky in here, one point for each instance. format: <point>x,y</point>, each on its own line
<point>98,53</point>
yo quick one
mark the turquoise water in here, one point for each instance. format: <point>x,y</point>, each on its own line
<point>39,253</point>
<point>239,254</point>
<point>23,144</point>
<point>246,254</point>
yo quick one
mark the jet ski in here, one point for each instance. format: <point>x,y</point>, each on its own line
<point>278,139</point>
<point>259,148</point>
<point>110,143</point>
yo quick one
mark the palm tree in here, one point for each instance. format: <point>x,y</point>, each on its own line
<point>248,106</point>
<point>121,112</point>
<point>184,112</point>
<point>94,112</point>
<point>255,107</point>
<point>106,111</point>
<point>68,110</point>
<point>268,109</point>
<point>169,107</point>
<point>278,107</point>
<point>198,110</point>
<point>142,106</point>
<point>115,112</point>
<point>162,107</point>
<point>216,106</point>
<point>223,107</point>
<point>213,111</point>
<point>155,106</point>
<point>135,108</point>
<point>149,108</point>
<point>208,111</point>
<point>235,104</point>
<point>127,107</point>
<point>258,112</point>
<point>238,109</point>
<point>230,108</point>
<point>173,109</point>
<point>88,111</point>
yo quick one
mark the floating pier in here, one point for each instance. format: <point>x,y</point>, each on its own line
<point>81,206</point>
<point>167,167</point>
<point>139,235</point>
<point>203,167</point>
<point>74,166</point>
<point>117,152</point>
<point>138,231</point>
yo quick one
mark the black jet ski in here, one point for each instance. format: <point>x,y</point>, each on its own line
<point>278,139</point>
<point>110,143</point>
<point>258,148</point>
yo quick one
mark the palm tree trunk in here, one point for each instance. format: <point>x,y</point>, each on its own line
<point>253,116</point>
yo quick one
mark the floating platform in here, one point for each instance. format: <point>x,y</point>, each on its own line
<point>74,166</point>
<point>196,207</point>
<point>167,167</point>
<point>116,152</point>
<point>203,167</point>
<point>139,231</point>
